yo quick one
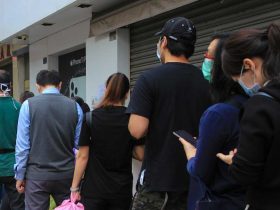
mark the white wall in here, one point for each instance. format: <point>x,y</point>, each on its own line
<point>105,57</point>
<point>19,14</point>
<point>51,46</point>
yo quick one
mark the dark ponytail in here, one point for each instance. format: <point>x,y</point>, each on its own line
<point>117,86</point>
<point>271,64</point>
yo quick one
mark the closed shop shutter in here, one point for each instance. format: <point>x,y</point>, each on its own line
<point>209,16</point>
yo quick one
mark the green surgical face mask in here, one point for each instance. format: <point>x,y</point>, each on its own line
<point>207,67</point>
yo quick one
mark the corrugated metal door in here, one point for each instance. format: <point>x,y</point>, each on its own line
<point>209,16</point>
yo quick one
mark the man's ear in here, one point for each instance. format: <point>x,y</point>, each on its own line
<point>38,88</point>
<point>164,42</point>
<point>59,86</point>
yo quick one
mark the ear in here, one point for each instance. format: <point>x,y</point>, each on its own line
<point>163,42</point>
<point>249,64</point>
<point>38,87</point>
<point>59,86</point>
<point>127,95</point>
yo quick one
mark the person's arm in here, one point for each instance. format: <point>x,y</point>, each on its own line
<point>80,167</point>
<point>79,125</point>
<point>138,126</point>
<point>82,159</point>
<point>138,152</point>
<point>256,134</point>
<point>22,146</point>
<point>140,108</point>
<point>214,131</point>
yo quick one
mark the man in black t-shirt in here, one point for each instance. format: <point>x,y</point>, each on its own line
<point>167,98</point>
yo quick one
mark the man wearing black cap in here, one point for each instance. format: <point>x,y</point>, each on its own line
<point>9,112</point>
<point>167,98</point>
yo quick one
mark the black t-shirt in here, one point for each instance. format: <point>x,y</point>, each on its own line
<point>172,96</point>
<point>109,171</point>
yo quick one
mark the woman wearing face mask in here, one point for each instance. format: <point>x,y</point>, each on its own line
<point>218,131</point>
<point>209,56</point>
<point>252,58</point>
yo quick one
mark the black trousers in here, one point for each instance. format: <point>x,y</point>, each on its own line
<point>16,200</point>
<point>106,204</point>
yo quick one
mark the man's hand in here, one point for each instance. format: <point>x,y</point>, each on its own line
<point>20,185</point>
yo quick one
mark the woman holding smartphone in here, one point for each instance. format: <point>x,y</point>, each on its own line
<point>218,132</point>
<point>252,57</point>
<point>106,150</point>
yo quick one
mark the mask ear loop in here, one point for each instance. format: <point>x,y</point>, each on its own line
<point>241,72</point>
<point>14,104</point>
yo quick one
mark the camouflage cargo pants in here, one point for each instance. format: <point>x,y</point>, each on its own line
<point>146,200</point>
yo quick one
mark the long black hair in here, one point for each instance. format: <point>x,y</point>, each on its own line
<point>222,86</point>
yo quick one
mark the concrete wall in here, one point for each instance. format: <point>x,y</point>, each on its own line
<point>18,76</point>
<point>54,45</point>
<point>19,14</point>
<point>105,54</point>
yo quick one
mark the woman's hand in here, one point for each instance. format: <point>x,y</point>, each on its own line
<point>227,158</point>
<point>75,196</point>
<point>190,150</point>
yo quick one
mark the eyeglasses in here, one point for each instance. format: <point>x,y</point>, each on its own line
<point>206,55</point>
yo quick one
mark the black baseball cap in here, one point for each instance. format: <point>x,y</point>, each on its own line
<point>179,29</point>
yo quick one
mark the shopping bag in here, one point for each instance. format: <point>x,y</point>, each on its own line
<point>70,204</point>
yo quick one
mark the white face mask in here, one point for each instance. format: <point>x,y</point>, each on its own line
<point>158,50</point>
<point>158,54</point>
<point>5,89</point>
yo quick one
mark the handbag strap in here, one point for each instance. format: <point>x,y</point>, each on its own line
<point>265,94</point>
<point>89,119</point>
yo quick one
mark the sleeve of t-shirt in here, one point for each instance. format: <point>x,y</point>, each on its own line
<point>139,142</point>
<point>85,134</point>
<point>141,102</point>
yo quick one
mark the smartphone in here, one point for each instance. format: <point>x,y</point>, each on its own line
<point>185,135</point>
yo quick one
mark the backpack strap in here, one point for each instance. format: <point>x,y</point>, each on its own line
<point>265,94</point>
<point>89,119</point>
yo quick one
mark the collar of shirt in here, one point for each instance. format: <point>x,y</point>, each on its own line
<point>52,90</point>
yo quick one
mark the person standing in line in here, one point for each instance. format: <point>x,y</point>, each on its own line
<point>167,98</point>
<point>25,95</point>
<point>106,151</point>
<point>8,131</point>
<point>218,132</point>
<point>209,56</point>
<point>252,58</point>
<point>48,129</point>
<point>82,103</point>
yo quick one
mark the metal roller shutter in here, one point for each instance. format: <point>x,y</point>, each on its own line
<point>209,16</point>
